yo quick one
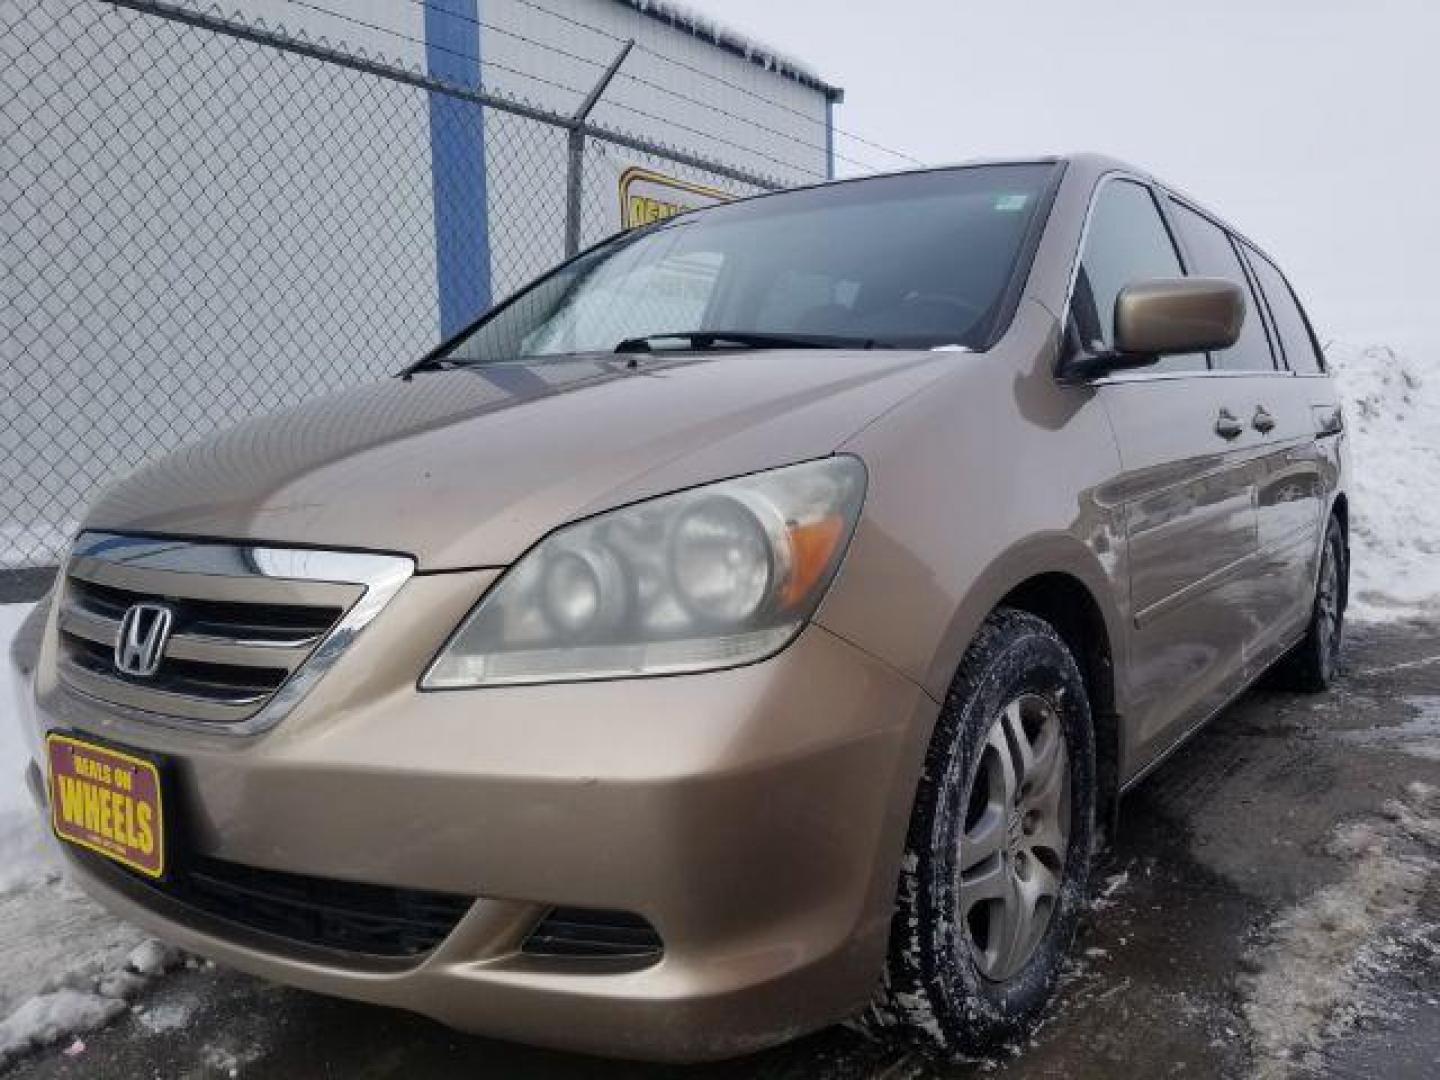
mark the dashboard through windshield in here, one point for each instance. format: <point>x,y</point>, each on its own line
<point>917,260</point>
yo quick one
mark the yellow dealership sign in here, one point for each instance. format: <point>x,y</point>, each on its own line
<point>647,197</point>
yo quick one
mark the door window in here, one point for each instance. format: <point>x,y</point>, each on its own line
<point>1212,254</point>
<point>1301,351</point>
<point>1127,241</point>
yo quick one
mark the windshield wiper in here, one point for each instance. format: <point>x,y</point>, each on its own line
<point>433,363</point>
<point>709,339</point>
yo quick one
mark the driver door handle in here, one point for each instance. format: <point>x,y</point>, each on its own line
<point>1227,426</point>
<point>1263,421</point>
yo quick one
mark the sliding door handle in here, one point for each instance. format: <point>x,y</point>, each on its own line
<point>1227,426</point>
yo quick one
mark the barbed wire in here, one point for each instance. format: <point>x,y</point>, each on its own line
<point>482,63</point>
<point>640,80</point>
<point>693,69</point>
<point>556,84</point>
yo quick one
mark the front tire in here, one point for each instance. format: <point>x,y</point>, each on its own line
<point>998,856</point>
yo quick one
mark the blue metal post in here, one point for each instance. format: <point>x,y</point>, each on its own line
<point>457,165</point>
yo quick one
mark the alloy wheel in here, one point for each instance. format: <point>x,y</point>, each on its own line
<point>1017,830</point>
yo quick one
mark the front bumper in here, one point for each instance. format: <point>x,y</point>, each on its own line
<point>755,817</point>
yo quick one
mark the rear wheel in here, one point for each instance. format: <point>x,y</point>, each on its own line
<point>999,849</point>
<point>1311,666</point>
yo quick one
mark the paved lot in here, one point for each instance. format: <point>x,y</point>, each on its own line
<point>1189,964</point>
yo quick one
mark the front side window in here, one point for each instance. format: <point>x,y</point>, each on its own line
<point>1301,352</point>
<point>1126,242</point>
<point>1213,255</point>
<point>912,261</point>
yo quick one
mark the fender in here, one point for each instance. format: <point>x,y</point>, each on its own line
<point>1046,553</point>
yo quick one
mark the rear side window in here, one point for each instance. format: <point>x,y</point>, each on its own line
<point>1300,349</point>
<point>1213,255</point>
<point>1126,242</point>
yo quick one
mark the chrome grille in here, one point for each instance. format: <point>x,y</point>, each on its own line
<point>252,627</point>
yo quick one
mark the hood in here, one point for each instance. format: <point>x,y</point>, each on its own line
<point>469,467</point>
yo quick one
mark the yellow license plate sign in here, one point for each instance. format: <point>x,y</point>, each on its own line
<point>108,802</point>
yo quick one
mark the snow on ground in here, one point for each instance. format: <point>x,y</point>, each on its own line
<point>1392,413</point>
<point>1324,958</point>
<point>1419,736</point>
<point>166,1016</point>
<point>75,968</point>
<point>65,965</point>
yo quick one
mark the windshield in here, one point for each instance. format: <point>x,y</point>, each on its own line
<point>917,260</point>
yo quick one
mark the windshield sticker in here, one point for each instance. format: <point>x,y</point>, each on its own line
<point>1009,204</point>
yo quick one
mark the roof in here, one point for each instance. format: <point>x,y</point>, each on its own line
<point>688,21</point>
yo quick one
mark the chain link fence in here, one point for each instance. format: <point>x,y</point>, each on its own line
<point>206,219</point>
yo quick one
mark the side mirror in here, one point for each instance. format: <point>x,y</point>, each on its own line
<point>1178,315</point>
<point>1168,316</point>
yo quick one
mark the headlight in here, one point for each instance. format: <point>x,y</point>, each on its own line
<point>713,577</point>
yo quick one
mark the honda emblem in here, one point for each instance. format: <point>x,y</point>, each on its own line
<point>144,632</point>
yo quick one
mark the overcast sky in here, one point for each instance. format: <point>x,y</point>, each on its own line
<point>1311,125</point>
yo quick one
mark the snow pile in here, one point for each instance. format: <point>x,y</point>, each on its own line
<point>1324,953</point>
<point>49,1017</point>
<point>76,969</point>
<point>25,847</point>
<point>1392,414</point>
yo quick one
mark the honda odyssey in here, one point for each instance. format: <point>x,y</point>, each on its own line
<point>751,624</point>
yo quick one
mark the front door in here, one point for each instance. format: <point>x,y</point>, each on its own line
<point>1186,491</point>
<point>1191,466</point>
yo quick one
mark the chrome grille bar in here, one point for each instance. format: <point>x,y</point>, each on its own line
<point>210,648</point>
<point>254,627</point>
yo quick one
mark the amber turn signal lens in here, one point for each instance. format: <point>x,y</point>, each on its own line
<point>813,546</point>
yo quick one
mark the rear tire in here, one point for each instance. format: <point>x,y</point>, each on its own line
<point>1311,666</point>
<point>998,857</point>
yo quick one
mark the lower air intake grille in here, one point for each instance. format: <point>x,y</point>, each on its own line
<point>577,932</point>
<point>374,920</point>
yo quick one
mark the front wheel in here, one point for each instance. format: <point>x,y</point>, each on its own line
<point>998,856</point>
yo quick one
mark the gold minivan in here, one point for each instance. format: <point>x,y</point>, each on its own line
<point>748,626</point>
